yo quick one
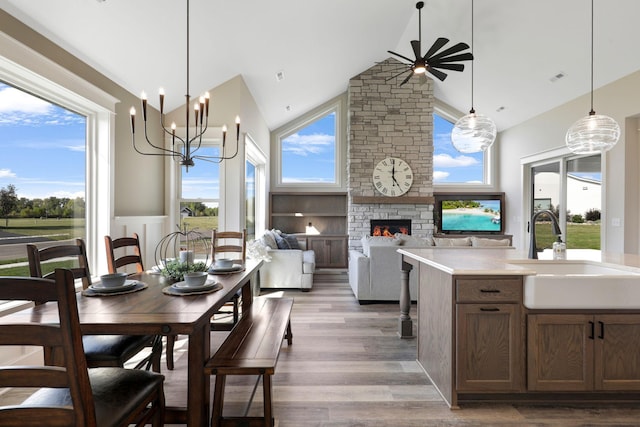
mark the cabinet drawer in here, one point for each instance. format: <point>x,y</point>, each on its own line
<point>489,290</point>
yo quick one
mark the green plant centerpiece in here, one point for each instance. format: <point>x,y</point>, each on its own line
<point>183,251</point>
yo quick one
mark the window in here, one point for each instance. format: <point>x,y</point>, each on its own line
<point>308,149</point>
<point>451,167</point>
<point>571,187</point>
<point>255,189</point>
<point>97,108</point>
<point>199,191</point>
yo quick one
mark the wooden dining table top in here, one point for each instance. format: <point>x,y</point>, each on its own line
<point>147,311</point>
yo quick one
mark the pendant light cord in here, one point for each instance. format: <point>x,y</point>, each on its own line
<point>592,112</point>
<point>473,60</point>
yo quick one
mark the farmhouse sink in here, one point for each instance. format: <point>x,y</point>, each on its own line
<point>579,285</point>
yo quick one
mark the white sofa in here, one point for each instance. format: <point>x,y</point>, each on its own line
<point>375,272</point>
<point>285,267</point>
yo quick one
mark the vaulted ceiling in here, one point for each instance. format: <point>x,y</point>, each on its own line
<point>520,47</point>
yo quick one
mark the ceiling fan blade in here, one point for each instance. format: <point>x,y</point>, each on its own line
<point>436,73</point>
<point>454,67</point>
<point>402,56</point>
<point>435,47</point>
<point>450,51</point>
<point>407,79</point>
<point>415,44</point>
<point>395,75</point>
<point>453,58</point>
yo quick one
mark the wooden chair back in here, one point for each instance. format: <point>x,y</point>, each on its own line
<point>124,244</point>
<point>76,252</point>
<point>220,244</point>
<point>65,336</point>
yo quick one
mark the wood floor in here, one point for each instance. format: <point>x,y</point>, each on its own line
<point>348,368</point>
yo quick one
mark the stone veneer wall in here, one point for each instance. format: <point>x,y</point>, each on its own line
<point>386,120</point>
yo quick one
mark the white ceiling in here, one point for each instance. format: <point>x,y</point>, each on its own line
<point>519,46</point>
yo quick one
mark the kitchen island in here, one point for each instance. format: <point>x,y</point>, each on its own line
<point>484,336</point>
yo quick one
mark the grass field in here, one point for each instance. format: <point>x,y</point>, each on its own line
<point>579,236</point>
<point>55,229</point>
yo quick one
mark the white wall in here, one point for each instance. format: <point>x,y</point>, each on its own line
<point>620,175</point>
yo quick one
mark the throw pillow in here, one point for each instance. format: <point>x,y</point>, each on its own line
<point>269,240</point>
<point>286,241</point>
<point>480,241</point>
<point>445,241</point>
<point>408,240</point>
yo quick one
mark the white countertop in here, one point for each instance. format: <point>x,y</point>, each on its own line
<point>490,261</point>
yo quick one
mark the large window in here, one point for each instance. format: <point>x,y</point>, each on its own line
<point>450,167</point>
<point>308,149</point>
<point>255,189</point>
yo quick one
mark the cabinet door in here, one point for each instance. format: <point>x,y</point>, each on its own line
<point>617,352</point>
<point>560,352</point>
<point>489,348</point>
<point>330,251</point>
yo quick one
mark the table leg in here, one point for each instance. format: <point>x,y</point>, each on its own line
<point>198,390</point>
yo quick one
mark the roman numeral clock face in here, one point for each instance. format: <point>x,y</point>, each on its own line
<point>392,177</point>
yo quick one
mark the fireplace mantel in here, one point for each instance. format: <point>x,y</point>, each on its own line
<point>393,200</point>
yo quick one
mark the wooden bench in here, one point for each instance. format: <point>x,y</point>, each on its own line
<point>252,348</point>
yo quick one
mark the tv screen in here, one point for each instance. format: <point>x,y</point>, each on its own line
<point>471,213</point>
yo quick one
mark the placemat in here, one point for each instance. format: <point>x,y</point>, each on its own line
<point>94,293</point>
<point>171,291</point>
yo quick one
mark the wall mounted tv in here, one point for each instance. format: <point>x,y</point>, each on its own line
<point>471,213</point>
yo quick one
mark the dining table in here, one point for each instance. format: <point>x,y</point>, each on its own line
<point>152,310</point>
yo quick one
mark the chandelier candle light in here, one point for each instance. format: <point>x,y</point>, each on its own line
<point>596,132</point>
<point>186,153</point>
<point>474,132</point>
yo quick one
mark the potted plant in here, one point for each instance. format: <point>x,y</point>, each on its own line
<point>175,269</point>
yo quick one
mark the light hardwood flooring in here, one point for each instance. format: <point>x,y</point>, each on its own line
<point>348,368</point>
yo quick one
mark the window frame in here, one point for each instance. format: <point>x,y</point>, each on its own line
<point>58,85</point>
<point>258,159</point>
<point>336,105</point>
<point>489,166</point>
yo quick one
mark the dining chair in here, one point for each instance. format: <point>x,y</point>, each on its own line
<point>119,246</point>
<point>223,243</point>
<point>70,393</point>
<point>100,350</point>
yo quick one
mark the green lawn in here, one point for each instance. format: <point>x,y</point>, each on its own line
<point>579,236</point>
<point>55,229</point>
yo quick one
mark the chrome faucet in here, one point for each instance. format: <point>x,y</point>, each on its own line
<point>533,252</point>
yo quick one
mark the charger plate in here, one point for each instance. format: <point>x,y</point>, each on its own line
<point>96,292</point>
<point>172,290</point>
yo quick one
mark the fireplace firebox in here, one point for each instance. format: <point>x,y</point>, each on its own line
<point>389,227</point>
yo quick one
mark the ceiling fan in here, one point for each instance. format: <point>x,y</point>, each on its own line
<point>432,61</point>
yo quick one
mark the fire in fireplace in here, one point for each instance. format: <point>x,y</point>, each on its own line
<point>389,227</point>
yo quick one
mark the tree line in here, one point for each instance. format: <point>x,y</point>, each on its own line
<point>11,206</point>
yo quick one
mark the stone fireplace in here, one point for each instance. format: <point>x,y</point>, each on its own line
<point>389,227</point>
<point>386,120</point>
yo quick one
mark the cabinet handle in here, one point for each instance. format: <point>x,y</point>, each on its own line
<point>489,309</point>
<point>490,291</point>
<point>592,329</point>
<point>601,336</point>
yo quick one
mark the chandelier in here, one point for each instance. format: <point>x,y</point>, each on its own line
<point>183,149</point>
<point>595,132</point>
<point>474,132</point>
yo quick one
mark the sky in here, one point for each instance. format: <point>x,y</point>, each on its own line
<point>42,147</point>
<point>42,152</point>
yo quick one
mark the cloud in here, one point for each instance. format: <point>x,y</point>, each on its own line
<point>6,173</point>
<point>21,108</point>
<point>13,100</point>
<point>304,145</point>
<point>447,161</point>
<point>439,176</point>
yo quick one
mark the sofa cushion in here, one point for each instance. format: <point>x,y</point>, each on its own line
<point>483,241</point>
<point>368,241</point>
<point>408,240</point>
<point>445,241</point>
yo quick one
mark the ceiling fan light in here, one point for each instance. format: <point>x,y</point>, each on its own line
<point>473,133</point>
<point>592,134</point>
<point>420,69</point>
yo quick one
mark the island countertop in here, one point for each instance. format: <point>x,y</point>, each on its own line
<point>490,261</point>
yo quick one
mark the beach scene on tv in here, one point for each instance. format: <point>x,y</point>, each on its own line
<point>471,215</point>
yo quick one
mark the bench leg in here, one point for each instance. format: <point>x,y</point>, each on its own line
<point>289,335</point>
<point>171,339</point>
<point>268,404</point>
<point>218,400</point>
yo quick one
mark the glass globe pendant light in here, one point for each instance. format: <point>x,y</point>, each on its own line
<point>595,132</point>
<point>474,132</point>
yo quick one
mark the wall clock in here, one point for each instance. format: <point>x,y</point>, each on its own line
<point>392,177</point>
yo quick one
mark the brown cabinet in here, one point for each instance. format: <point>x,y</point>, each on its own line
<point>583,352</point>
<point>489,335</point>
<point>330,251</point>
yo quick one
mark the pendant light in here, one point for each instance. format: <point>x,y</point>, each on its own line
<point>474,132</point>
<point>596,132</point>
